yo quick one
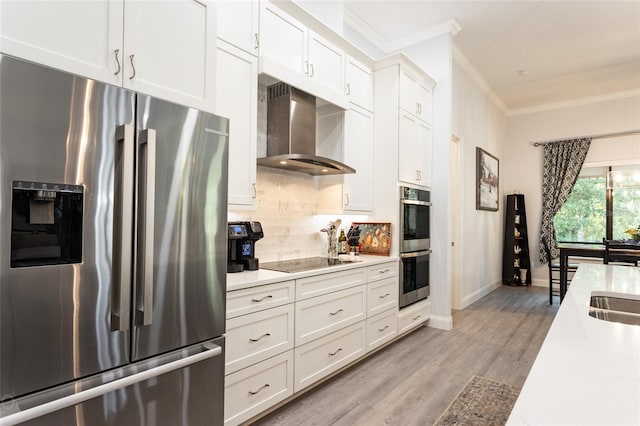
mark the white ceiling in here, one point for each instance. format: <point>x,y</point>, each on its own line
<point>571,50</point>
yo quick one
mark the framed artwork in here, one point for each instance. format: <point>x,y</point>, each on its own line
<point>487,179</point>
<point>375,238</point>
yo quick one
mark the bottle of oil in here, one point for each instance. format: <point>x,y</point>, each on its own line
<point>342,243</point>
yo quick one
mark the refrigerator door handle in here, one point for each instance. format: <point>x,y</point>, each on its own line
<point>147,188</point>
<point>209,351</point>
<point>122,228</point>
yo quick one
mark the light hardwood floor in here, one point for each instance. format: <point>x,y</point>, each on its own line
<point>413,381</point>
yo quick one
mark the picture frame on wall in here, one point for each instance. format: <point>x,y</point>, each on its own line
<point>487,181</point>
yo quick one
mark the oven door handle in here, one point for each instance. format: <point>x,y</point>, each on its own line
<point>415,254</point>
<point>416,202</point>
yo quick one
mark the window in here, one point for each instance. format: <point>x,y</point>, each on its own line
<point>583,218</point>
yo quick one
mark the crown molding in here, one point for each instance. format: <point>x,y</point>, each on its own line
<point>575,102</point>
<point>450,26</point>
<point>477,78</point>
<point>357,24</point>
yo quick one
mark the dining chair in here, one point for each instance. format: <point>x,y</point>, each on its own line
<point>619,253</point>
<point>554,272</point>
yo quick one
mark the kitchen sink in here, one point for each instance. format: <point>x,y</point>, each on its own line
<point>615,309</point>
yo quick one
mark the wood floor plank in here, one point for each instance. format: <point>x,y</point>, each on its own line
<point>414,380</point>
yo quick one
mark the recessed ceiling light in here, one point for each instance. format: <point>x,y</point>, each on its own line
<point>523,72</point>
<point>283,162</point>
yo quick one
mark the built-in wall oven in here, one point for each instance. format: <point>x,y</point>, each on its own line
<point>415,244</point>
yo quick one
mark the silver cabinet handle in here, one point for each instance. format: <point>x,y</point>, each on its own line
<point>334,353</point>
<point>416,317</point>
<point>348,89</point>
<point>386,295</point>
<point>312,71</point>
<point>336,312</point>
<point>346,199</point>
<point>122,228</point>
<point>383,328</point>
<point>257,45</point>
<point>384,271</point>
<point>210,350</point>
<point>266,385</point>
<point>117,52</point>
<point>262,298</point>
<point>254,193</point>
<point>133,67</point>
<point>260,338</point>
<point>306,67</point>
<point>417,108</point>
<point>146,222</point>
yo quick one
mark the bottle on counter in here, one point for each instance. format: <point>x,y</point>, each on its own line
<point>342,243</point>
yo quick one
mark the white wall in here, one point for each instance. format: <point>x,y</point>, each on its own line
<point>478,122</point>
<point>522,162</point>
<point>435,57</point>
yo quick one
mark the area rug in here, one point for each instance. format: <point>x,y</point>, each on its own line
<point>481,402</point>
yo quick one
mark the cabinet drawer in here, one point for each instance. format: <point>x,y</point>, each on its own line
<point>256,388</point>
<point>325,314</point>
<point>381,329</point>
<point>326,283</point>
<point>242,302</point>
<point>379,272</point>
<point>255,337</point>
<point>413,315</point>
<point>382,295</point>
<point>321,357</point>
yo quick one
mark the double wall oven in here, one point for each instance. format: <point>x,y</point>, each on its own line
<point>415,244</point>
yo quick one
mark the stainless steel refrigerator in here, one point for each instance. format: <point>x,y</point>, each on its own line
<point>113,254</point>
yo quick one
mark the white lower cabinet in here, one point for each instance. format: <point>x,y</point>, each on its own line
<point>414,315</point>
<point>327,354</point>
<point>325,314</point>
<point>255,337</point>
<point>382,295</point>
<point>381,328</point>
<point>252,390</point>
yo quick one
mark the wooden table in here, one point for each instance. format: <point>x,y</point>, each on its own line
<point>575,250</point>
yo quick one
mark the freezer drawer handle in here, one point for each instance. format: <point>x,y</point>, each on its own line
<point>209,351</point>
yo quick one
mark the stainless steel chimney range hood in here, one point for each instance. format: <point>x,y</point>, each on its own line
<point>291,133</point>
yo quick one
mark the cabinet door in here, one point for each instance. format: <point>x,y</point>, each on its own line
<point>424,140</point>
<point>238,23</point>
<point>326,62</point>
<point>357,188</point>
<point>424,100</point>
<point>79,37</point>
<point>282,38</point>
<point>408,88</point>
<point>359,84</point>
<point>169,50</point>
<point>236,99</point>
<point>408,152</point>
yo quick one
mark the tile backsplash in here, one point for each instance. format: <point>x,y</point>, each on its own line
<point>287,208</point>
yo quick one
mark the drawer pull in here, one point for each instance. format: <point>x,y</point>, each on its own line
<point>383,328</point>
<point>260,338</point>
<point>266,385</point>
<point>386,295</point>
<point>334,353</point>
<point>416,317</point>
<point>268,296</point>
<point>336,312</point>
<point>384,271</point>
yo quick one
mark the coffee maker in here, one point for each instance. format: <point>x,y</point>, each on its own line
<point>241,246</point>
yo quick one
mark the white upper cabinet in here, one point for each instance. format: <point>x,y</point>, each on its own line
<point>293,53</point>
<point>237,99</point>
<point>357,188</point>
<point>163,49</point>
<point>415,95</point>
<point>359,84</point>
<point>238,23</point>
<point>169,50</point>
<point>73,36</point>
<point>414,150</point>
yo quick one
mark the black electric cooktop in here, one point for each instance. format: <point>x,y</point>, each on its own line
<point>299,265</point>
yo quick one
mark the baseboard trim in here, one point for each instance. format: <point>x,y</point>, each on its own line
<point>480,293</point>
<point>441,323</point>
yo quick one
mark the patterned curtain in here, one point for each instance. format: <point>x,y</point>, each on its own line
<point>562,163</point>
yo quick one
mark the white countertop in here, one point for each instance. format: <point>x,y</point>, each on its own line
<point>246,279</point>
<point>588,370</point>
